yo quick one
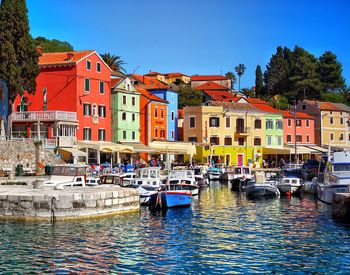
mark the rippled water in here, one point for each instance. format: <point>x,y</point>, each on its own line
<point>223,233</point>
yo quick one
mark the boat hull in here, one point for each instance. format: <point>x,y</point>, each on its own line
<point>325,192</point>
<point>178,199</point>
<point>262,190</point>
<point>214,176</point>
<point>289,188</point>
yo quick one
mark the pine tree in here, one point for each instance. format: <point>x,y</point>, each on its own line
<point>18,55</point>
<point>330,71</point>
<point>259,86</point>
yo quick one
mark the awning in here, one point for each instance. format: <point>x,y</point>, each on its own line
<point>173,147</point>
<point>138,147</point>
<point>74,152</point>
<point>276,150</point>
<point>105,146</point>
<point>300,149</point>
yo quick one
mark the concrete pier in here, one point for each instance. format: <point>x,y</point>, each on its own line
<point>341,206</point>
<point>25,203</point>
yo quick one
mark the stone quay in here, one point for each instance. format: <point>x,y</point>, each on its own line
<point>23,202</point>
<point>341,206</point>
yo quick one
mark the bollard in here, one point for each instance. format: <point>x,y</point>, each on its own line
<point>11,176</point>
<point>38,184</point>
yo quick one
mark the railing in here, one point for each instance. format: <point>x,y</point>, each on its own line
<point>242,130</point>
<point>47,143</point>
<point>44,116</point>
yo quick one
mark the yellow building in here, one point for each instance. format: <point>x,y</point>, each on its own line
<point>331,122</point>
<point>233,133</point>
<point>173,77</point>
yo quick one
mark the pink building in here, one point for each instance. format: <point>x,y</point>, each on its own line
<point>304,132</point>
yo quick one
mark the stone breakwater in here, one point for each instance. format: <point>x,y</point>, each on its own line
<point>26,203</point>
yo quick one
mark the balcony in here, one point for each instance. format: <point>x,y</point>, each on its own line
<point>44,116</point>
<point>242,131</point>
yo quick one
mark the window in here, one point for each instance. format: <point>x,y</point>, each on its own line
<point>228,141</point>
<point>331,136</point>
<point>289,138</point>
<point>257,141</point>
<point>124,134</point>
<point>87,85</point>
<point>162,133</point>
<point>102,87</point>
<point>133,136</point>
<point>241,141</point>
<point>101,111</point>
<point>124,116</point>
<point>94,110</point>
<point>155,112</point>
<point>279,124</point>
<point>331,120</point>
<point>214,140</point>
<point>298,123</point>
<point>308,138</point>
<point>214,122</point>
<point>124,99</point>
<point>299,138</point>
<point>192,122</point>
<point>88,65</point>
<point>192,139</point>
<point>102,134</point>
<point>341,136</point>
<point>133,117</point>
<point>156,132</point>
<point>307,122</point>
<point>87,109</point>
<point>98,67</point>
<point>228,122</point>
<point>87,134</point>
<point>303,107</point>
<point>289,122</point>
<point>269,124</point>
<point>269,140</point>
<point>257,124</point>
<point>172,116</point>
<point>279,140</point>
<point>172,134</point>
<point>161,113</point>
<point>133,101</point>
<point>341,120</point>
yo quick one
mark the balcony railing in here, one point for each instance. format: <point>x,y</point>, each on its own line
<point>44,116</point>
<point>242,130</point>
<point>47,143</point>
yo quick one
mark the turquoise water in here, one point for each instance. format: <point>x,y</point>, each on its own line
<point>223,233</point>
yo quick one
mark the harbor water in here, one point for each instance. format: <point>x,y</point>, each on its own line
<point>222,233</point>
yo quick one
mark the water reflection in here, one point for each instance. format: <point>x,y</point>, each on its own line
<point>223,232</point>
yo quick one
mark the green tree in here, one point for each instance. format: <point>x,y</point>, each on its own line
<point>231,76</point>
<point>114,62</point>
<point>345,93</point>
<point>18,54</point>
<point>259,85</point>
<point>240,69</point>
<point>189,96</point>
<point>249,92</point>
<point>53,45</point>
<point>330,71</point>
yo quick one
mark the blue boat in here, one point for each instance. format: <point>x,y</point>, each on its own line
<point>175,196</point>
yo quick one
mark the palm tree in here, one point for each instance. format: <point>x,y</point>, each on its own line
<point>240,69</point>
<point>231,76</point>
<point>114,62</point>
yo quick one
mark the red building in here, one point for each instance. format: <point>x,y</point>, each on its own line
<point>72,98</point>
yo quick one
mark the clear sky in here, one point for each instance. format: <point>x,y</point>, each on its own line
<point>196,36</point>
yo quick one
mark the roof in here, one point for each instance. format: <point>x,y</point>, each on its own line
<point>153,83</point>
<point>153,74</point>
<point>342,106</point>
<point>211,86</point>
<point>174,74</point>
<point>207,77</point>
<point>115,81</point>
<point>254,100</point>
<point>222,96</point>
<point>180,113</point>
<point>148,94</point>
<point>266,108</point>
<point>235,106</point>
<point>299,115</point>
<point>327,106</point>
<point>61,58</point>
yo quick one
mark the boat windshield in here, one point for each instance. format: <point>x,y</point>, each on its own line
<point>68,171</point>
<point>238,170</point>
<point>197,171</point>
<point>292,173</point>
<point>344,167</point>
<point>176,174</point>
<point>246,171</point>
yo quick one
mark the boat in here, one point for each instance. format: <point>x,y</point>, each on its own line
<point>262,187</point>
<point>200,175</point>
<point>93,181</point>
<point>214,173</point>
<point>172,196</point>
<point>233,172</point>
<point>291,180</point>
<point>185,178</point>
<point>125,178</point>
<point>67,176</point>
<point>336,177</point>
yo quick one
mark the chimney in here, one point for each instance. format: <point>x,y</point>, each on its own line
<point>39,50</point>
<point>69,56</point>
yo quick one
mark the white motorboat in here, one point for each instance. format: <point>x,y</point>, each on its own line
<point>261,187</point>
<point>200,175</point>
<point>237,172</point>
<point>289,185</point>
<point>214,173</point>
<point>92,181</point>
<point>185,178</point>
<point>147,177</point>
<point>125,178</point>
<point>66,176</point>
<point>336,176</point>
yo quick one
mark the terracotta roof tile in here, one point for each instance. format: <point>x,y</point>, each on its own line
<point>222,96</point>
<point>266,108</point>
<point>207,77</point>
<point>115,81</point>
<point>290,114</point>
<point>63,57</point>
<point>174,74</point>
<point>155,83</point>
<point>325,106</point>
<point>235,106</point>
<point>148,94</point>
<point>211,86</point>
<point>254,100</point>
<point>180,113</point>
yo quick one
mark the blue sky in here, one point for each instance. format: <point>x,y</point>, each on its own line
<point>196,36</point>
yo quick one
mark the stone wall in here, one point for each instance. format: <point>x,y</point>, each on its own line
<point>24,202</point>
<point>13,153</point>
